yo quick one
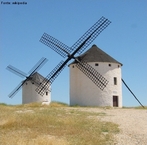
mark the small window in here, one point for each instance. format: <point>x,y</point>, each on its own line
<point>96,64</point>
<point>73,66</point>
<point>115,80</point>
<point>26,83</point>
<point>46,93</point>
<point>118,66</point>
<point>109,64</point>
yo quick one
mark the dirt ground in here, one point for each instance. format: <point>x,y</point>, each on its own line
<point>132,124</point>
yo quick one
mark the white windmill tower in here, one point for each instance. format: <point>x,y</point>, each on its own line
<point>84,92</point>
<point>31,82</point>
<point>28,90</point>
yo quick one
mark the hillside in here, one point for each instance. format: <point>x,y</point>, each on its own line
<point>59,124</point>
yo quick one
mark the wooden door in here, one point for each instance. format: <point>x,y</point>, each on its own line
<point>115,101</point>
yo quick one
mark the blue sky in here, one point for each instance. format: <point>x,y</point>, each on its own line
<point>125,39</point>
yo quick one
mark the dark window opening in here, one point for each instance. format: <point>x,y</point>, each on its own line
<point>46,93</point>
<point>96,64</point>
<point>73,66</point>
<point>109,64</point>
<point>118,66</point>
<point>115,80</point>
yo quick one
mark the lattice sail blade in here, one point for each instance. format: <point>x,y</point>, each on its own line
<point>56,45</point>
<point>38,65</point>
<point>16,71</point>
<point>50,78</point>
<point>91,34</point>
<point>92,74</point>
<point>13,93</point>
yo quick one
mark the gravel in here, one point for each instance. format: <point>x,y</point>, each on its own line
<point>132,124</point>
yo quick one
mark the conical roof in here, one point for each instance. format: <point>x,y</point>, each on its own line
<point>95,54</point>
<point>36,78</point>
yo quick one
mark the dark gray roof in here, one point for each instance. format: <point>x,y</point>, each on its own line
<point>95,54</point>
<point>36,78</point>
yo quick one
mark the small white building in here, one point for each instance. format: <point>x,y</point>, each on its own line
<point>29,94</point>
<point>84,92</point>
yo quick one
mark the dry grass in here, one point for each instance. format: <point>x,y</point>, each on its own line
<point>57,124</point>
<point>138,107</point>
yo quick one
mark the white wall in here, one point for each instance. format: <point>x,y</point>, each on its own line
<point>84,92</point>
<point>29,94</point>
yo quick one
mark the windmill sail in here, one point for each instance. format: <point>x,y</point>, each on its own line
<point>16,71</point>
<point>14,92</point>
<point>38,65</point>
<point>91,34</point>
<point>78,47</point>
<point>50,78</point>
<point>56,45</point>
<point>92,74</point>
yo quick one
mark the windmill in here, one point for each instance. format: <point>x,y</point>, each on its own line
<point>70,53</point>
<point>77,48</point>
<point>31,77</point>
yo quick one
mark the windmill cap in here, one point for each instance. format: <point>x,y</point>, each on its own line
<point>95,54</point>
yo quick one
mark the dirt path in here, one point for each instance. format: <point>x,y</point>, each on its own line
<point>132,124</point>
